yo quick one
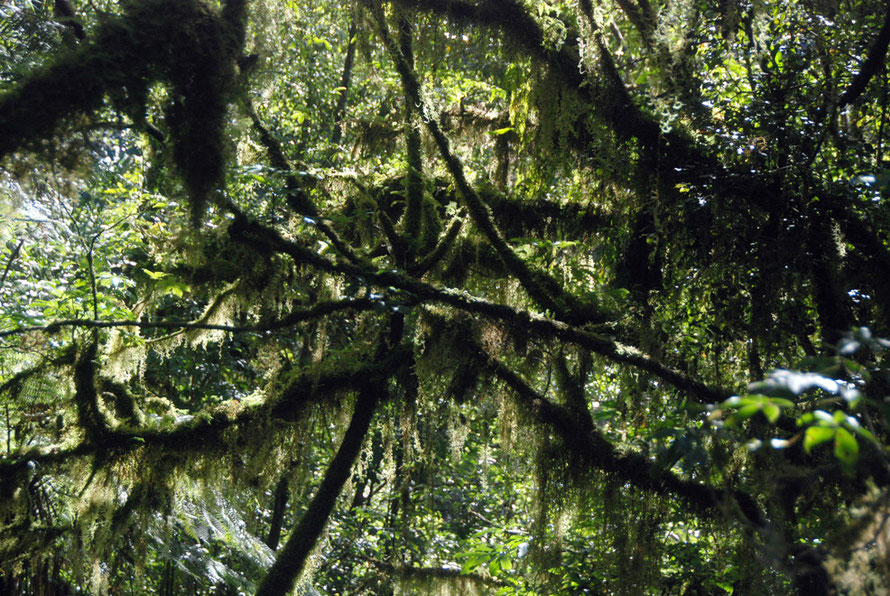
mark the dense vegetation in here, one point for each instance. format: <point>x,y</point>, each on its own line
<point>444,296</point>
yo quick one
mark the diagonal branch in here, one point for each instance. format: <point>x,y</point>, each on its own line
<point>292,559</point>
<point>297,197</point>
<point>873,64</point>
<point>583,439</point>
<point>541,287</point>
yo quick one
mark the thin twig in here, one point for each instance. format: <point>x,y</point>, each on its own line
<point>294,317</point>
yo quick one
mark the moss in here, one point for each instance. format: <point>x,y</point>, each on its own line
<point>180,42</point>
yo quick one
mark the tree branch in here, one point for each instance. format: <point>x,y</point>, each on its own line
<point>297,197</point>
<point>289,564</point>
<point>268,239</point>
<point>541,287</point>
<point>873,64</point>
<point>584,440</point>
<point>296,316</point>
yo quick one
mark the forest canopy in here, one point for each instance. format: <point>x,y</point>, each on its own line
<point>444,296</point>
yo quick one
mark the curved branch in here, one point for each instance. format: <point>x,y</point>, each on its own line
<point>204,431</point>
<point>873,64</point>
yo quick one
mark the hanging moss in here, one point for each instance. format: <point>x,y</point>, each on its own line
<point>182,42</point>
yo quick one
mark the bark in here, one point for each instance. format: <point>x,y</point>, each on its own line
<point>279,504</point>
<point>345,82</point>
<point>292,559</point>
<point>283,574</point>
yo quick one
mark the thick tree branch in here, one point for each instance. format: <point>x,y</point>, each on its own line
<point>583,439</point>
<point>178,41</point>
<point>292,558</point>
<point>290,562</point>
<point>205,430</point>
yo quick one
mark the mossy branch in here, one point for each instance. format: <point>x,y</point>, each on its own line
<point>290,562</point>
<point>86,396</point>
<point>182,42</point>
<point>585,441</point>
<point>204,432</point>
<point>541,287</point>
<point>434,256</point>
<point>292,558</point>
<point>268,239</point>
<point>297,197</point>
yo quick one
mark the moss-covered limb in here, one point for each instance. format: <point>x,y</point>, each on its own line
<point>874,61</point>
<point>414,174</point>
<point>269,239</point>
<point>297,197</point>
<point>293,556</point>
<point>298,393</point>
<point>832,303</point>
<point>182,42</point>
<point>297,315</point>
<point>434,256</point>
<point>541,287</point>
<point>86,396</point>
<point>572,386</point>
<point>394,241</point>
<point>594,449</point>
<point>531,216</point>
<point>205,431</point>
<point>373,390</point>
<point>125,407</point>
<point>345,83</point>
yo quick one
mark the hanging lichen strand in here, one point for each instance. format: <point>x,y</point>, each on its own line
<point>182,42</point>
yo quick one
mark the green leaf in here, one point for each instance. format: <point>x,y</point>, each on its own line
<point>816,435</point>
<point>771,411</point>
<point>155,274</point>
<point>846,449</point>
<point>748,410</point>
